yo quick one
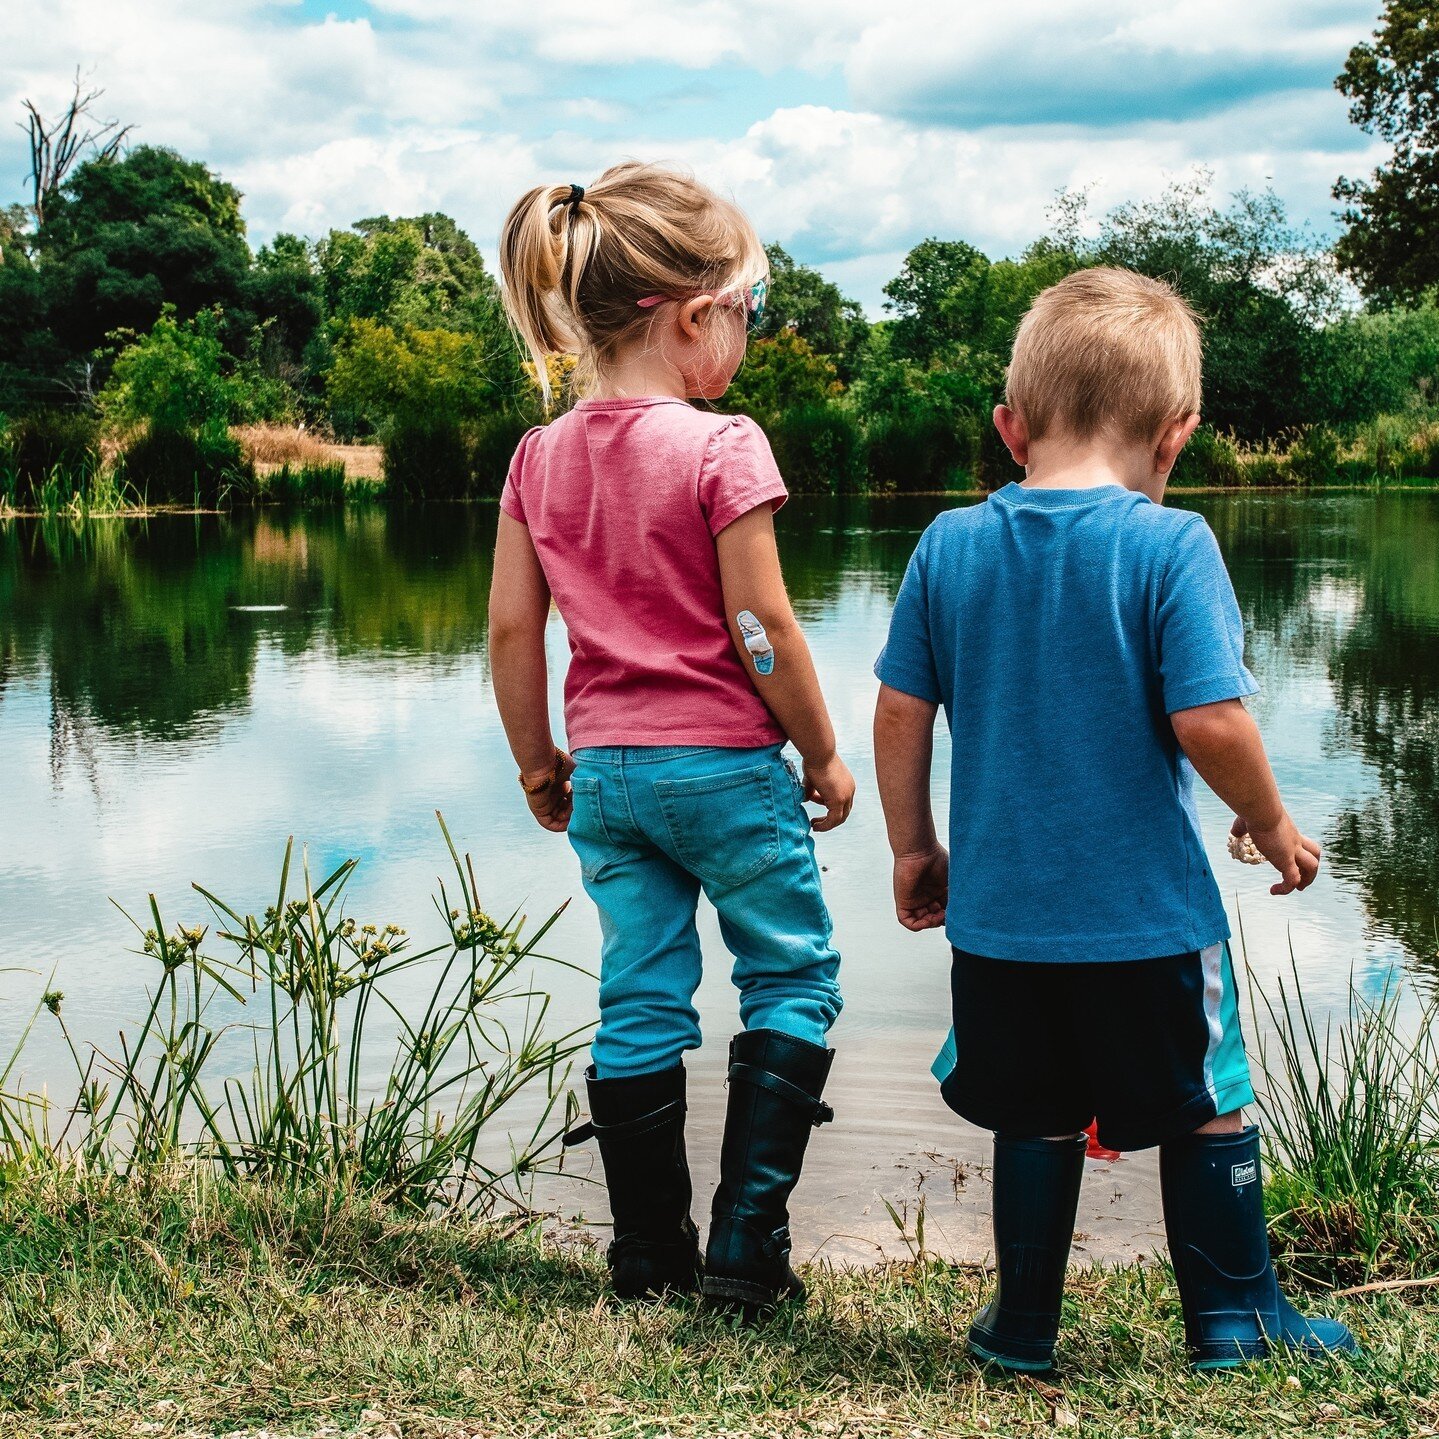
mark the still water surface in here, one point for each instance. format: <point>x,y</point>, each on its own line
<point>178,696</point>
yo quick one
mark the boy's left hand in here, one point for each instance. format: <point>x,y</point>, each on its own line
<point>921,888</point>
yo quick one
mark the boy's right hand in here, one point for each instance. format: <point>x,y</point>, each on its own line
<point>1294,855</point>
<point>921,888</point>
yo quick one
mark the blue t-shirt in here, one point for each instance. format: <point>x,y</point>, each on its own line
<point>1059,629</point>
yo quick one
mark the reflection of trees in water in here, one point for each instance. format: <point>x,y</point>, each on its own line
<point>836,546</point>
<point>138,627</point>
<point>1385,672</point>
<point>1353,585</point>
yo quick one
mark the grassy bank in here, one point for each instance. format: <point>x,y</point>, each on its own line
<point>194,1306</point>
<point>286,1252</point>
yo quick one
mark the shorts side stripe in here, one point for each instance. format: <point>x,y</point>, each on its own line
<point>1226,1067</point>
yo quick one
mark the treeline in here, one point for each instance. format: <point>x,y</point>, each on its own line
<point>138,330</point>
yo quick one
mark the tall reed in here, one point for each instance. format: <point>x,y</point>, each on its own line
<point>1350,1109</point>
<point>320,993</point>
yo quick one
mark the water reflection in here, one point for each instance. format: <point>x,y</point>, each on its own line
<point>123,645</point>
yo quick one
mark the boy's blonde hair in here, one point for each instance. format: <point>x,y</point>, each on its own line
<point>576,261</point>
<point>1105,351</point>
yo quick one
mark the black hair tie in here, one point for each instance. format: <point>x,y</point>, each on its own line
<point>577,193</point>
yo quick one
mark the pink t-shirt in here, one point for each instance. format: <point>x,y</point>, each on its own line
<point>623,499</point>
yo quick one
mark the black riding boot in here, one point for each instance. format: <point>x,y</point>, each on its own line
<point>775,1083</point>
<point>640,1125</point>
<point>1036,1194</point>
<point>1213,1192</point>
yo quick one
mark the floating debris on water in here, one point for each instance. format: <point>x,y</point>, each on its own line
<point>259,609</point>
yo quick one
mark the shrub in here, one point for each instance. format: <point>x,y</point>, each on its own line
<point>167,466</point>
<point>426,458</point>
<point>1315,456</point>
<point>922,450</point>
<point>1210,458</point>
<point>819,449</point>
<point>492,444</point>
<point>50,457</point>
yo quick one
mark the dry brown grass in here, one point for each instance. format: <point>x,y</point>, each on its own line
<point>268,447</point>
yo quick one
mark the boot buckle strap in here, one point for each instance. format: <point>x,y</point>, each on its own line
<point>819,1111</point>
<point>625,1129</point>
<point>778,1244</point>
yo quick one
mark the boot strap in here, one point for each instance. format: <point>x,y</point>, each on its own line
<point>820,1112</point>
<point>625,1129</point>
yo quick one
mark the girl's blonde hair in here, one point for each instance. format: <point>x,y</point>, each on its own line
<point>575,262</point>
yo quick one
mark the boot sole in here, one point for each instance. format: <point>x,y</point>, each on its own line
<point>1005,1361</point>
<point>742,1294</point>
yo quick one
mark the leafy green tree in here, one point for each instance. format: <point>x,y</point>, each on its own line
<point>380,372</point>
<point>1262,289</point>
<point>126,237</point>
<point>802,300</point>
<point>1392,218</point>
<point>172,378</point>
<point>422,272</point>
<point>782,372</point>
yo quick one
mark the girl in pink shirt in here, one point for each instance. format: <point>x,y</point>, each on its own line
<point>649,524</point>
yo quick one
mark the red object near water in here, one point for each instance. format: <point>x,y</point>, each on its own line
<point>1096,1150</point>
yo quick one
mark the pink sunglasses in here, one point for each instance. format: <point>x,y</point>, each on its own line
<point>752,301</point>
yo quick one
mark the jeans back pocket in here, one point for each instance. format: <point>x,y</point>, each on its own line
<point>723,826</point>
<point>588,836</point>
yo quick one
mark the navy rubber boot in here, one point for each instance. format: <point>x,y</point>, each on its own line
<point>775,1083</point>
<point>639,1123</point>
<point>1213,1190</point>
<point>1036,1194</point>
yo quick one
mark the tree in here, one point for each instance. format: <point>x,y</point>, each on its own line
<point>380,372</point>
<point>173,378</point>
<point>424,271</point>
<point>124,238</point>
<point>55,147</point>
<point>802,300</point>
<point>782,372</point>
<point>1391,243</point>
<point>1261,288</point>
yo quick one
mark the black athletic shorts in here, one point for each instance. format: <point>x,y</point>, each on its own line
<point>1151,1048</point>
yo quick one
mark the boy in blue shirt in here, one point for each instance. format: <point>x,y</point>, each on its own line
<point>1087,648</point>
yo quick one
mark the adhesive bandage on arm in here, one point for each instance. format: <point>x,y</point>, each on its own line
<point>756,642</point>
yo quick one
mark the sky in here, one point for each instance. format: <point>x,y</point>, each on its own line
<point>848,130</point>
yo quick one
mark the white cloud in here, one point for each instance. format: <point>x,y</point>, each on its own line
<point>962,119</point>
<point>1102,62</point>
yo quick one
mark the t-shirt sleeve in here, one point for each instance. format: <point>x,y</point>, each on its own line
<point>1199,629</point>
<point>738,474</point>
<point>907,660</point>
<point>511,500</point>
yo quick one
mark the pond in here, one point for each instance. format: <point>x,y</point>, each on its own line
<point>179,695</point>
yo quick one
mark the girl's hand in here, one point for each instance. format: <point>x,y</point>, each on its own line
<point>921,888</point>
<point>832,785</point>
<point>1294,855</point>
<point>552,804</point>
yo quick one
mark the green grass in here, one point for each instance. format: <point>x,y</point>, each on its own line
<point>205,1307</point>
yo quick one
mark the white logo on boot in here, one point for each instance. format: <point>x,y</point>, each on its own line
<point>1244,1174</point>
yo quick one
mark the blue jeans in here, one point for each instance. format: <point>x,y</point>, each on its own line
<point>652,827</point>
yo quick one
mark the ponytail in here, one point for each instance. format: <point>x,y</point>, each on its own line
<point>575,262</point>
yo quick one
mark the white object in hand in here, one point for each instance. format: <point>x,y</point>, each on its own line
<point>1243,848</point>
<point>756,642</point>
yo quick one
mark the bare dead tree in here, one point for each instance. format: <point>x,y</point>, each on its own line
<point>55,147</point>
